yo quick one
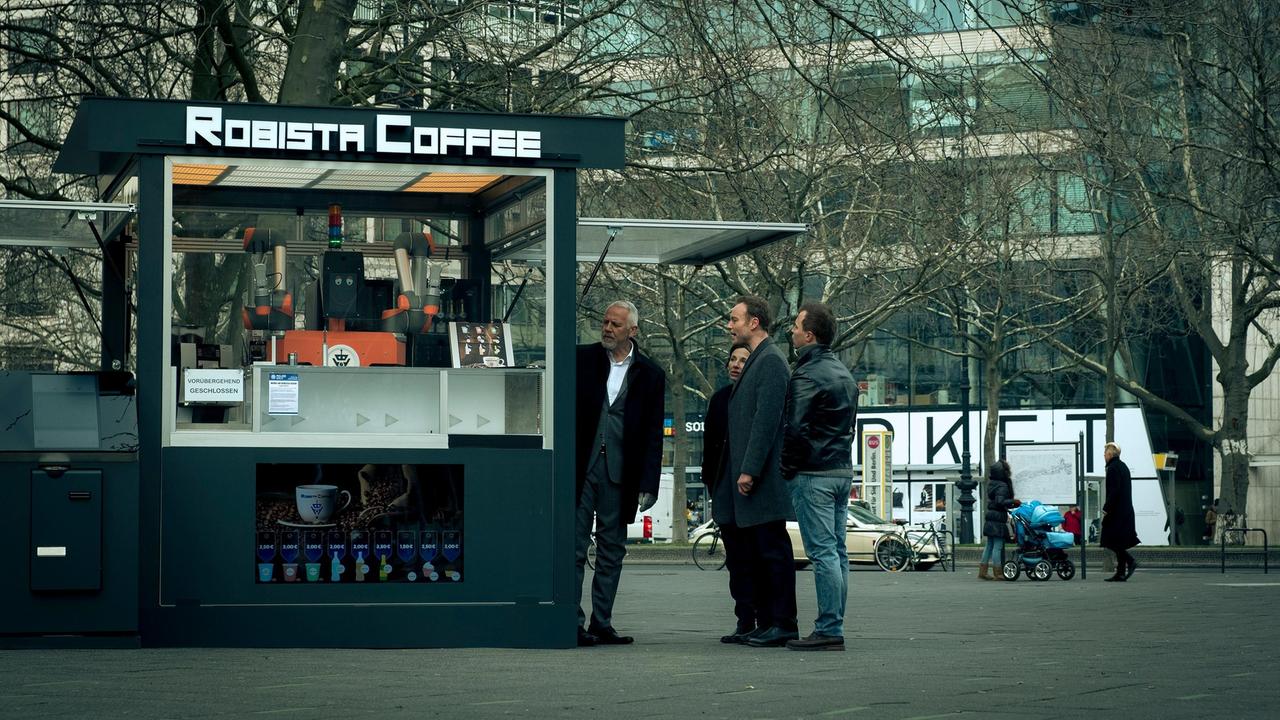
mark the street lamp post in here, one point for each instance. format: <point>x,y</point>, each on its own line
<point>966,484</point>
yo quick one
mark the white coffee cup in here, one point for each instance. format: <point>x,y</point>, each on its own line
<point>316,502</point>
<point>491,361</point>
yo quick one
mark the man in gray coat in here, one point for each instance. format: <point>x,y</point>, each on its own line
<point>752,504</point>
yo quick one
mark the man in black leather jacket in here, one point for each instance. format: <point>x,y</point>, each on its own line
<point>817,460</point>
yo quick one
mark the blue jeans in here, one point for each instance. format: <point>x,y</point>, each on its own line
<point>993,551</point>
<point>821,504</point>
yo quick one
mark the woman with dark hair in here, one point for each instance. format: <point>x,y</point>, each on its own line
<point>1000,501</point>
<point>716,424</point>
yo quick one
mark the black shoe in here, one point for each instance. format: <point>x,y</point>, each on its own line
<point>585,639</point>
<point>609,636</point>
<point>773,637</point>
<point>817,642</point>
<point>1128,572</point>
<point>1115,578</point>
<point>738,636</point>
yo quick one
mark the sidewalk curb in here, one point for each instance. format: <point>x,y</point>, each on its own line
<point>967,556</point>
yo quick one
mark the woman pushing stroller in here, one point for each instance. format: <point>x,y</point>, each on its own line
<point>1000,501</point>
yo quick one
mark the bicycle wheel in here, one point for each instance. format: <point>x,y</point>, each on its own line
<point>892,553</point>
<point>708,552</point>
<point>591,555</point>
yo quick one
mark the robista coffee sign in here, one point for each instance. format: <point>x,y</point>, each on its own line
<point>389,134</point>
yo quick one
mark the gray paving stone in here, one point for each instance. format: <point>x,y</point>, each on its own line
<point>1168,644</point>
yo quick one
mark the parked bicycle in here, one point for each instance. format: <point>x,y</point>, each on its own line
<point>916,549</point>
<point>708,552</point>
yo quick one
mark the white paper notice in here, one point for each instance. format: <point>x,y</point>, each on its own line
<point>282,394</point>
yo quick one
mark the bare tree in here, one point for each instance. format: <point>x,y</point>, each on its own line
<point>1173,106</point>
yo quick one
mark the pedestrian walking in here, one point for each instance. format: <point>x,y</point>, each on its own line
<point>1119,532</point>
<point>817,461</point>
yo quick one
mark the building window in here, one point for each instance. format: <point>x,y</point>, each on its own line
<point>32,118</point>
<point>32,45</point>
<point>1072,209</point>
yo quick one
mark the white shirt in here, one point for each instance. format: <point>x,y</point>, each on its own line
<point>618,372</point>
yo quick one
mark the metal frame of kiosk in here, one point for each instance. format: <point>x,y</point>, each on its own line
<point>508,493</point>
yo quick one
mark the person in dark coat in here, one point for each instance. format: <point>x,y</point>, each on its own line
<point>752,503</point>
<point>1119,529</point>
<point>716,422</point>
<point>714,429</point>
<point>619,457</point>
<point>1000,501</point>
<point>817,461</point>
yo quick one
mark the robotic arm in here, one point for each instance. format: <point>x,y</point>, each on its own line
<point>419,300</point>
<point>272,305</point>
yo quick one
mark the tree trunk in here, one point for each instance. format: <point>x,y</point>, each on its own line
<point>991,388</point>
<point>205,81</point>
<point>1233,442</point>
<point>318,44</point>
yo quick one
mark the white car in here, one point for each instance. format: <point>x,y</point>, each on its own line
<point>863,529</point>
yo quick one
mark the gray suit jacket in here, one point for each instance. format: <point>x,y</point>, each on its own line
<point>754,441</point>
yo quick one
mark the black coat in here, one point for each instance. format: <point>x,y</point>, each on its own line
<point>642,422</point>
<point>1119,531</point>
<point>754,440</point>
<point>822,403</point>
<point>999,503</point>
<point>715,426</point>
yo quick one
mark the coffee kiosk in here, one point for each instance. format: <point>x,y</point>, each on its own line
<point>354,368</point>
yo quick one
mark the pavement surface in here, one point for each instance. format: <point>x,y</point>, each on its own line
<point>1172,643</point>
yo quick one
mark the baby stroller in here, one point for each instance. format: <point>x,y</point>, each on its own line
<point>1040,551</point>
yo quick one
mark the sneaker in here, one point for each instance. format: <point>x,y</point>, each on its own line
<point>817,642</point>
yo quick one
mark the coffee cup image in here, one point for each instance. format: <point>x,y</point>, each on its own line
<point>491,361</point>
<point>317,503</point>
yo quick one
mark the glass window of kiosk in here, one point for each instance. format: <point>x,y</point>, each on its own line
<point>336,304</point>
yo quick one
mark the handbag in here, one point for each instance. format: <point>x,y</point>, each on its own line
<point>1010,533</point>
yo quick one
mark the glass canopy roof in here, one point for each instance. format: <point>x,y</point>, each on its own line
<point>666,242</point>
<point>41,223</point>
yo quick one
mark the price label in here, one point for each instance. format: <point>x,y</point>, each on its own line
<point>429,545</point>
<point>451,545</point>
<point>313,545</point>
<point>266,546</point>
<point>289,546</point>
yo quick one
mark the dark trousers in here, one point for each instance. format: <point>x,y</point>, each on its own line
<point>762,574</point>
<point>600,508</point>
<point>1123,560</point>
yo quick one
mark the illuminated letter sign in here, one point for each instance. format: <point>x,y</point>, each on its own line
<point>392,135</point>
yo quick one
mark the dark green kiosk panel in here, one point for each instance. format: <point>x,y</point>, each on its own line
<point>69,516</point>
<point>66,529</point>
<point>355,343</point>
